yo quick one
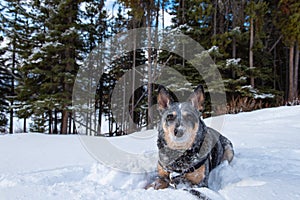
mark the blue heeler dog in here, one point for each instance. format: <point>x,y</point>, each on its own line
<point>188,149</point>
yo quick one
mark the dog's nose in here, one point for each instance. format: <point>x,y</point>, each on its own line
<point>178,132</point>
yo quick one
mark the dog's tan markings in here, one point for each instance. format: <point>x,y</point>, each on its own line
<point>161,172</point>
<point>169,130</point>
<point>228,154</point>
<point>158,184</point>
<point>190,135</point>
<point>185,114</point>
<point>196,176</point>
<point>174,114</point>
<point>162,181</point>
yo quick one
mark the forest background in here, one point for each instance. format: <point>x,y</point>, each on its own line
<point>255,45</point>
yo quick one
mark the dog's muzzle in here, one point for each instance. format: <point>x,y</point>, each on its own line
<point>178,132</point>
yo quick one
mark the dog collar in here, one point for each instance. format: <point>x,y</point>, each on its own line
<point>180,173</point>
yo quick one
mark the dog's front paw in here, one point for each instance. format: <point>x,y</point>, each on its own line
<point>158,184</point>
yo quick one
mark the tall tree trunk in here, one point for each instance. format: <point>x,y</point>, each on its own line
<point>111,123</point>
<point>50,121</point>
<point>296,70</point>
<point>100,112</point>
<point>13,68</point>
<point>150,117</point>
<point>182,9</point>
<point>74,125</point>
<point>274,68</point>
<point>156,39</point>
<point>55,131</point>
<point>70,122</point>
<point>234,16</point>
<point>11,111</point>
<point>87,122</point>
<point>286,92</point>
<point>183,22</point>
<point>24,125</point>
<point>215,17</point>
<point>123,125</point>
<point>64,122</point>
<point>132,122</point>
<point>251,50</point>
<point>291,73</point>
<point>163,15</point>
<point>90,122</point>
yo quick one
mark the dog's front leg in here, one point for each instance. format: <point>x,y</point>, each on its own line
<point>162,181</point>
<point>158,184</point>
<point>198,176</point>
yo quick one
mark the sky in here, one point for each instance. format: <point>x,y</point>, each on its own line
<point>167,17</point>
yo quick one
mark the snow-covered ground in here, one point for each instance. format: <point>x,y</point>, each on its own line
<point>266,164</point>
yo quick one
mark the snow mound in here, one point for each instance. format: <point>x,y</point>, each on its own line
<point>266,164</point>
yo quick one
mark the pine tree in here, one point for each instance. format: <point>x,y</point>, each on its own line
<point>225,26</point>
<point>15,27</point>
<point>38,86</point>
<point>288,23</point>
<point>50,71</point>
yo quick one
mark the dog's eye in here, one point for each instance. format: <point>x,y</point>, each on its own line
<point>171,117</point>
<point>189,118</point>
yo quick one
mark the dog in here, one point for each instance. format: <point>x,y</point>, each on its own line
<point>188,149</point>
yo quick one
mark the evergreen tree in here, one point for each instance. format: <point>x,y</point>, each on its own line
<point>5,78</point>
<point>52,67</point>
<point>15,28</point>
<point>288,22</point>
<point>224,29</point>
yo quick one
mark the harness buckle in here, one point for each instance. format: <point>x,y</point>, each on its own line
<point>175,179</point>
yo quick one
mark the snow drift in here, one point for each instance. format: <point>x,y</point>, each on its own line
<point>266,165</point>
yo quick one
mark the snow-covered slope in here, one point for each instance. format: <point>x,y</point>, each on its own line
<point>266,165</point>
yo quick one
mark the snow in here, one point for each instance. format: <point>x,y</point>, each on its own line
<point>236,30</point>
<point>266,164</point>
<point>4,43</point>
<point>213,49</point>
<point>232,61</point>
<point>255,92</point>
<point>185,26</point>
<point>51,44</point>
<point>263,96</point>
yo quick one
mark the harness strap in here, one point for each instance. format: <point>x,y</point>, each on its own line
<point>186,171</point>
<point>198,165</point>
<point>198,194</point>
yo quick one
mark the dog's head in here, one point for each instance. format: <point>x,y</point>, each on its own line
<point>180,122</point>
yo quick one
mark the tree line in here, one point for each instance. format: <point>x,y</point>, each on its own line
<point>254,43</point>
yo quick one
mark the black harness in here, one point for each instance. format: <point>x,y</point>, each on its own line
<point>182,172</point>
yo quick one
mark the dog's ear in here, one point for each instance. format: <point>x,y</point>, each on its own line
<point>197,98</point>
<point>163,99</point>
